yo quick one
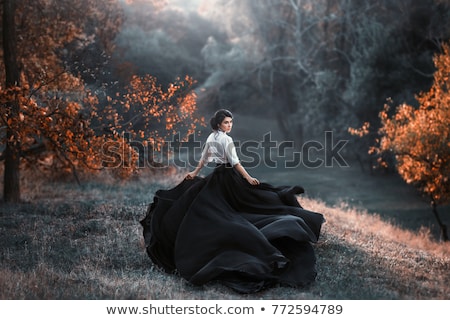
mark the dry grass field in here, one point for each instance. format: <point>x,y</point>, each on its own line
<point>71,242</point>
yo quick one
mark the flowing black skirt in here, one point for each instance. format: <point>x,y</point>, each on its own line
<point>221,228</point>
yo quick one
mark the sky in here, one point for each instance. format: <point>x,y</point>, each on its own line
<point>186,4</point>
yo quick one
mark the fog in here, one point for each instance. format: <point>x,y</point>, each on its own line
<point>186,38</point>
<point>310,65</point>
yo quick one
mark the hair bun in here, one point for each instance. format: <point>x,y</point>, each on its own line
<point>213,123</point>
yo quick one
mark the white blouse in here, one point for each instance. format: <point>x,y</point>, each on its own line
<point>219,148</point>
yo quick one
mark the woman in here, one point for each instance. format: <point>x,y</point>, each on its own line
<point>229,227</point>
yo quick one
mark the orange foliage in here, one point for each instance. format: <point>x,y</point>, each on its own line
<point>151,114</point>
<point>420,138</point>
<point>360,132</point>
<point>60,124</point>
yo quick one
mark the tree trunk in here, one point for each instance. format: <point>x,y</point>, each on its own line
<point>287,106</point>
<point>444,233</point>
<point>11,191</point>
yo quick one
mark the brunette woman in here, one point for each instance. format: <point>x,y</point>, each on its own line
<point>230,227</point>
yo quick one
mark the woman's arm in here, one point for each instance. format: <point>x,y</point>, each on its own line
<point>245,174</point>
<point>232,158</point>
<point>201,163</point>
<point>194,173</point>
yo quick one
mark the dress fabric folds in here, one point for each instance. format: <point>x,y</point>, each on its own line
<point>221,228</point>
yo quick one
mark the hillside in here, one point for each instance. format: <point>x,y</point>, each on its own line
<point>85,243</point>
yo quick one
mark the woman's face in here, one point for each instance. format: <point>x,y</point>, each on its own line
<point>226,124</point>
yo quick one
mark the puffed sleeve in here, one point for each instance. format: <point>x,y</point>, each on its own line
<point>205,153</point>
<point>230,152</point>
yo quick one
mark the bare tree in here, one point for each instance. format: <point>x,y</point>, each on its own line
<point>324,64</point>
<point>303,62</point>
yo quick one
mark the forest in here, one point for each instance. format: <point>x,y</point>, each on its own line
<point>78,82</point>
<point>86,85</point>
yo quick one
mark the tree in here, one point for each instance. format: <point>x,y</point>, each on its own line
<point>420,138</point>
<point>322,65</point>
<point>392,45</point>
<point>48,116</point>
<point>12,80</point>
<point>302,61</point>
<point>40,96</point>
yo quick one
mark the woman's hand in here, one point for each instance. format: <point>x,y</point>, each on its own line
<point>191,175</point>
<point>252,181</point>
<point>244,174</point>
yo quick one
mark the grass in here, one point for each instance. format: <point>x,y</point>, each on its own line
<point>67,242</point>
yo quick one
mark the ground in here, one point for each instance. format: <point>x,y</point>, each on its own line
<point>85,242</point>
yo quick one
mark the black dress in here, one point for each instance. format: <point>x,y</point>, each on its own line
<point>222,228</point>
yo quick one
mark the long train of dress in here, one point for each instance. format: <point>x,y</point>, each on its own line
<point>221,228</point>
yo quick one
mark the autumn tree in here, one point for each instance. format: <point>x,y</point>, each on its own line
<point>419,138</point>
<point>143,119</point>
<point>49,116</point>
<point>12,80</point>
<point>391,56</point>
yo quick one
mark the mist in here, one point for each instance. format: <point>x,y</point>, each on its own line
<point>310,65</point>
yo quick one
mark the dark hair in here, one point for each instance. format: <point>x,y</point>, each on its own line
<point>218,118</point>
